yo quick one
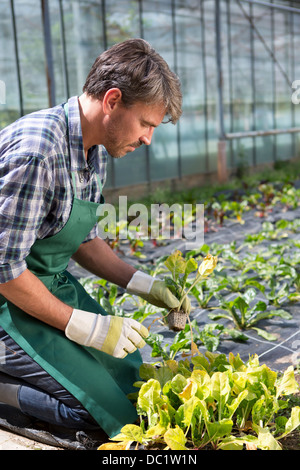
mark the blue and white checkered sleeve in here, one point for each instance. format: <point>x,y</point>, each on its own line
<point>25,198</point>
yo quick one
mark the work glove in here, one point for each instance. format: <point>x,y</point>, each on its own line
<point>116,336</point>
<point>155,292</point>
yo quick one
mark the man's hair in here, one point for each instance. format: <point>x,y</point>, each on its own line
<point>140,73</point>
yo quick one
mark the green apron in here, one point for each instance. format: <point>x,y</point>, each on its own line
<point>99,381</point>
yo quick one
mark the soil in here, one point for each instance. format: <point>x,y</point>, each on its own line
<point>292,441</point>
<point>177,320</point>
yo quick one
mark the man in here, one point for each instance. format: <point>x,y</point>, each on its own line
<point>62,358</point>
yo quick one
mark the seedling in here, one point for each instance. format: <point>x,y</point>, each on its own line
<point>245,316</point>
<point>180,269</point>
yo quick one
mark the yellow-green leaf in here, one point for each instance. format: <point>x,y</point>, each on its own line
<point>115,446</point>
<point>176,264</point>
<point>175,439</point>
<point>265,440</point>
<point>130,432</point>
<point>287,384</point>
<point>293,422</point>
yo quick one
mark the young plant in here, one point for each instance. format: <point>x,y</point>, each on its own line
<point>180,269</point>
<point>205,290</point>
<point>245,316</point>
<point>210,337</point>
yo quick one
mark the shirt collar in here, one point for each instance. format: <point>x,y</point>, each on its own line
<point>77,157</point>
<point>97,156</point>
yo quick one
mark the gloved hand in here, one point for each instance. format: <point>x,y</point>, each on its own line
<point>155,292</point>
<point>116,336</point>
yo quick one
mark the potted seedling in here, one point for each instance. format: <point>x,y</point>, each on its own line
<point>180,269</point>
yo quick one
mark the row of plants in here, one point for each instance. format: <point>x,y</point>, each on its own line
<point>225,206</point>
<point>210,403</point>
<point>272,271</point>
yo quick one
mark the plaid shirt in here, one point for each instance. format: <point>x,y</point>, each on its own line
<point>35,181</point>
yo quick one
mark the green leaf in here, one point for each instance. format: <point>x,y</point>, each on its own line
<point>218,316</point>
<point>200,362</point>
<point>148,400</point>
<point>163,375</point>
<point>202,379</point>
<point>236,361</point>
<point>293,422</point>
<point>178,383</point>
<point>175,439</point>
<point>130,432</point>
<point>188,408</point>
<point>147,371</point>
<point>264,334</point>
<point>236,402</point>
<point>265,440</point>
<point>236,443</point>
<point>176,264</point>
<point>241,304</point>
<point>287,384</point>
<point>220,387</point>
<point>105,303</point>
<point>219,429</point>
<point>191,266</point>
<point>281,313</point>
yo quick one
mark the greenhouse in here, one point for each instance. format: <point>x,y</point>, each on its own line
<point>152,302</point>
<point>249,47</point>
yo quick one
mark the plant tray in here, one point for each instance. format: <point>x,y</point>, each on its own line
<point>176,320</point>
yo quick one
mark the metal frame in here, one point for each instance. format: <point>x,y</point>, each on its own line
<point>274,6</point>
<point>17,58</point>
<point>203,57</point>
<point>64,48</point>
<point>48,52</point>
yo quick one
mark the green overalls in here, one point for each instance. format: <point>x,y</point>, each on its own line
<point>99,381</point>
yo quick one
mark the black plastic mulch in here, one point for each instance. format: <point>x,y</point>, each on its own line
<point>279,354</point>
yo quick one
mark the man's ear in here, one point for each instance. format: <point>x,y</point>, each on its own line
<point>112,98</point>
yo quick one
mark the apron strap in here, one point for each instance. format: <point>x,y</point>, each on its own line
<point>73,173</point>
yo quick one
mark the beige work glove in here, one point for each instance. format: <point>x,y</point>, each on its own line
<point>116,336</point>
<point>155,292</point>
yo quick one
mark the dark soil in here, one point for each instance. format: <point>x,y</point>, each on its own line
<point>292,441</point>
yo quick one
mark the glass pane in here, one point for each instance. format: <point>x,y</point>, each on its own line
<point>264,92</point>
<point>84,39</point>
<point>132,169</point>
<point>9,91</point>
<point>32,56</point>
<point>157,30</point>
<point>189,42</point>
<point>296,76</point>
<point>61,93</point>
<point>211,83</point>
<point>123,22</point>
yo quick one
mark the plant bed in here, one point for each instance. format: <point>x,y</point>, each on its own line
<point>213,403</point>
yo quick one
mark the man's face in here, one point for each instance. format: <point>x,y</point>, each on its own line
<point>129,128</point>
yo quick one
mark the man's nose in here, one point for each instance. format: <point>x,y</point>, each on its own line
<point>147,136</point>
